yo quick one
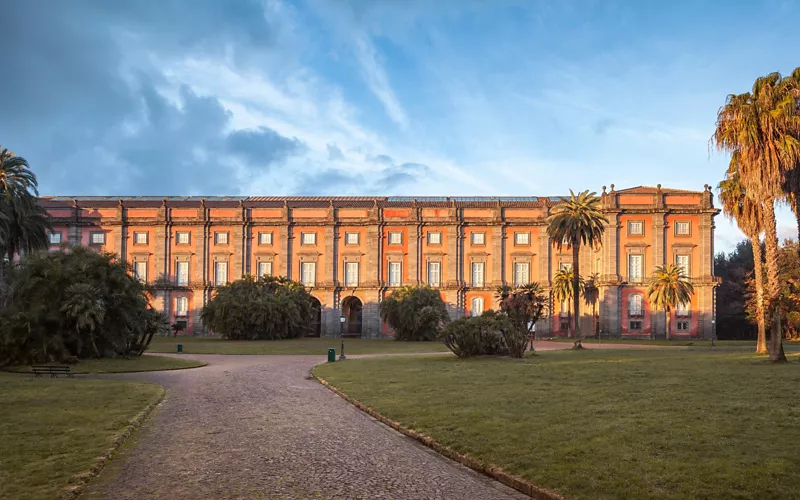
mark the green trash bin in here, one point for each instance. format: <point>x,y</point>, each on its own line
<point>180,347</point>
<point>331,355</point>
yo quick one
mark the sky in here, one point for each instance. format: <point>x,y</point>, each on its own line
<point>381,97</point>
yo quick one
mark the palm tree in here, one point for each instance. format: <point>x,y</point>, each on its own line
<point>667,288</point>
<point>564,289</point>
<point>578,220</point>
<point>591,294</point>
<point>86,309</point>
<point>15,174</point>
<point>761,130</point>
<point>748,215</point>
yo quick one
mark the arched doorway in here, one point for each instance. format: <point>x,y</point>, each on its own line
<point>351,310</point>
<point>316,318</point>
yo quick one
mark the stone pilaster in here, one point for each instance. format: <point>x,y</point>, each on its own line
<point>497,276</point>
<point>451,273</point>
<point>413,255</point>
<point>331,235</point>
<point>544,251</point>
<point>371,276</point>
<point>285,251</point>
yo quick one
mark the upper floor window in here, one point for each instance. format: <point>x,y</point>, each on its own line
<point>682,309</point>
<point>563,266</point>
<point>434,238</point>
<point>395,273</point>
<point>265,238</point>
<point>351,274</point>
<point>434,273</point>
<point>140,270</point>
<point>522,273</point>
<point>308,238</point>
<point>97,237</point>
<point>522,238</point>
<point>220,273</point>
<point>635,228</point>
<point>55,238</point>
<point>308,273</point>
<point>220,238</point>
<point>139,238</point>
<point>682,261</point>
<point>478,238</point>
<point>635,267</point>
<point>395,238</point>
<point>182,237</point>
<point>477,274</point>
<point>477,306</point>
<point>636,305</point>
<point>181,306</point>
<point>683,228</point>
<point>264,268</point>
<point>351,238</point>
<point>182,273</point>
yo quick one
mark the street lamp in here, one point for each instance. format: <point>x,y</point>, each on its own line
<point>341,335</point>
<point>713,334</point>
<point>532,334</point>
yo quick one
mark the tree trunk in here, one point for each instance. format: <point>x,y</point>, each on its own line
<point>569,323</point>
<point>796,210</point>
<point>758,277</point>
<point>773,291</point>
<point>576,292</point>
<point>144,345</point>
<point>95,350</point>
<point>667,321</point>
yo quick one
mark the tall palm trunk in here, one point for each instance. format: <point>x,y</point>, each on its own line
<point>758,276</point>
<point>576,292</point>
<point>773,283</point>
<point>668,322</point>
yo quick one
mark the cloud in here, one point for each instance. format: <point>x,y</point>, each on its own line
<point>263,145</point>
<point>378,81</point>
<point>334,153</point>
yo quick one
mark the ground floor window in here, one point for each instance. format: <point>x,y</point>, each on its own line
<point>477,306</point>
<point>682,326</point>
<point>635,326</point>
<point>563,325</point>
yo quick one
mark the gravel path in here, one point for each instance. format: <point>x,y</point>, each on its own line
<point>258,427</point>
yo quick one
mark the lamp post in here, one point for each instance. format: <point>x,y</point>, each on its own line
<point>713,334</point>
<point>532,334</point>
<point>341,335</point>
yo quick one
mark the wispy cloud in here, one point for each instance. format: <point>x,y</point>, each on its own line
<point>378,81</point>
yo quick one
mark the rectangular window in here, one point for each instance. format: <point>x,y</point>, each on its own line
<point>635,326</point>
<point>265,238</point>
<point>140,238</point>
<point>635,267</point>
<point>351,238</point>
<point>636,305</point>
<point>182,237</point>
<point>308,273</point>
<point>182,273</point>
<point>636,228</point>
<point>563,325</point>
<point>564,308</point>
<point>522,273</point>
<point>683,228</point>
<point>55,238</point>
<point>220,238</point>
<point>308,238</point>
<point>395,238</point>
<point>434,238</point>
<point>264,268</point>
<point>351,274</point>
<point>477,306</point>
<point>683,310</point>
<point>181,306</point>
<point>522,238</point>
<point>477,273</point>
<point>220,273</point>
<point>140,270</point>
<point>434,273</point>
<point>563,266</point>
<point>395,273</point>
<point>682,326</point>
<point>97,238</point>
<point>478,238</point>
<point>682,261</point>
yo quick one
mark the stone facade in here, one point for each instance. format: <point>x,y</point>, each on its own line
<point>352,251</point>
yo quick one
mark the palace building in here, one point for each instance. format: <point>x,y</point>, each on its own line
<point>351,252</point>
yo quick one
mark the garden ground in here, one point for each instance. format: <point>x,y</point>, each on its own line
<point>124,365</point>
<point>55,429</point>
<point>661,423</point>
<point>207,345</point>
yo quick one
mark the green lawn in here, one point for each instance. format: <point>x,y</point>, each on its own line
<point>603,424</point>
<point>54,429</point>
<point>200,345</point>
<point>121,365</point>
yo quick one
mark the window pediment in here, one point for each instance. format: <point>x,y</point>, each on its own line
<point>636,244</point>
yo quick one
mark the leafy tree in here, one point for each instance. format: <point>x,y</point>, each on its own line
<point>735,271</point>
<point>667,288</point>
<point>74,303</point>
<point>591,294</point>
<point>415,313</point>
<point>266,308</point>
<point>577,220</point>
<point>477,335</point>
<point>563,290</point>
<point>789,304</point>
<point>761,131</point>
<point>748,215</point>
<point>523,306</point>
<point>177,328</point>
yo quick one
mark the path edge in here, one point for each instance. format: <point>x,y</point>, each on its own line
<point>100,462</point>
<point>493,471</point>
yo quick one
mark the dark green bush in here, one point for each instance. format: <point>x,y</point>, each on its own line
<point>477,336</point>
<point>265,308</point>
<point>415,313</point>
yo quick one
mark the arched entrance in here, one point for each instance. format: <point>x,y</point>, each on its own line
<point>351,310</point>
<point>316,318</point>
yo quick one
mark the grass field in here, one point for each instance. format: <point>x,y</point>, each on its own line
<point>200,345</point>
<point>54,429</point>
<point>603,424</point>
<point>121,365</point>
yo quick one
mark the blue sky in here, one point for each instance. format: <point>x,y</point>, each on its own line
<point>391,97</point>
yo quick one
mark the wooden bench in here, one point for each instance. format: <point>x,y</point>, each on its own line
<point>53,370</point>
